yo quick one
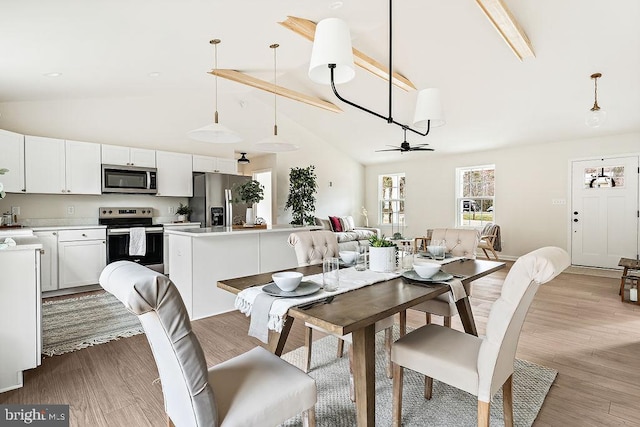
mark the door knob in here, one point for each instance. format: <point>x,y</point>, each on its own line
<point>575,212</point>
<point>575,220</point>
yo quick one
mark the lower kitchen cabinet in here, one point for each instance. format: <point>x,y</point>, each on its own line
<point>48,259</point>
<point>82,255</point>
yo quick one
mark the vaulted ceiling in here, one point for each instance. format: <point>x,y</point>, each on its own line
<point>107,49</point>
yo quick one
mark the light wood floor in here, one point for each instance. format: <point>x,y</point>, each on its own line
<point>576,325</point>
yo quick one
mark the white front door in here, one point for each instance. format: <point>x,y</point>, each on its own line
<point>604,211</point>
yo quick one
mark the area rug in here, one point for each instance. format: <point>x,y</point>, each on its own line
<point>75,323</point>
<point>448,406</point>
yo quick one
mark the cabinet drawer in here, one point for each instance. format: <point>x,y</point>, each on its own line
<point>82,234</point>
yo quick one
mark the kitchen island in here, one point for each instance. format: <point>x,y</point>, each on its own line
<point>200,257</point>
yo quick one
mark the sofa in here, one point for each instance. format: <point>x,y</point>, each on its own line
<point>350,237</point>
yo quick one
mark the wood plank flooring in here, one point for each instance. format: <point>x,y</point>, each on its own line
<point>576,325</point>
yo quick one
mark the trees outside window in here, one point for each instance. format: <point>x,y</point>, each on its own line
<point>475,196</point>
<point>391,197</point>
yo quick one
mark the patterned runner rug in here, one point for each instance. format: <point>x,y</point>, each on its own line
<point>76,323</point>
<point>448,406</point>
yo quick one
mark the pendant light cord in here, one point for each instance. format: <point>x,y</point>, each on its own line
<point>215,42</point>
<point>595,95</point>
<point>275,89</point>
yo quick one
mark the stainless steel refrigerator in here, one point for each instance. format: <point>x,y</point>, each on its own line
<point>212,200</point>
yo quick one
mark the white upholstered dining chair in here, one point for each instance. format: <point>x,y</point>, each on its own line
<point>255,388</point>
<point>478,365</point>
<point>312,247</point>
<point>459,243</point>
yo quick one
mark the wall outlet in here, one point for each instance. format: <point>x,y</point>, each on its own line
<point>171,210</point>
<point>558,202</point>
<point>71,210</point>
<point>15,210</point>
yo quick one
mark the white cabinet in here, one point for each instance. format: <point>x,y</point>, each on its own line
<point>48,259</point>
<point>174,174</point>
<point>214,164</point>
<point>165,243</point>
<point>81,256</point>
<point>128,156</point>
<point>12,149</point>
<point>58,166</point>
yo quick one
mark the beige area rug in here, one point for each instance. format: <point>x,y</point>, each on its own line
<point>76,323</point>
<point>448,406</point>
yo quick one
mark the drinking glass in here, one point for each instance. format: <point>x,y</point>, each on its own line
<point>361,262</point>
<point>330,274</point>
<point>407,258</point>
<point>441,248</point>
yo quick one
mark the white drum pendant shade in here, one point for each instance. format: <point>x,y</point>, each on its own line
<point>332,45</point>
<point>428,108</point>
<point>275,144</point>
<point>216,133</point>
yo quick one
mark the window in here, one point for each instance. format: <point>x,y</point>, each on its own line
<point>475,196</point>
<point>391,195</point>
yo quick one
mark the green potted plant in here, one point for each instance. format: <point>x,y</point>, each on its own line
<point>301,199</point>
<point>382,254</point>
<point>250,192</point>
<point>183,212</point>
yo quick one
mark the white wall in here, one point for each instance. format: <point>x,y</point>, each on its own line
<point>527,179</point>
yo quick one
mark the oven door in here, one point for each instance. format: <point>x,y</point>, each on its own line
<point>118,247</point>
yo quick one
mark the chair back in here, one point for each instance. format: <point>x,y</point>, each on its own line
<point>459,241</point>
<point>491,235</point>
<point>498,348</point>
<point>313,246</point>
<point>181,363</point>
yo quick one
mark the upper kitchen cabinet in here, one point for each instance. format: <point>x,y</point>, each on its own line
<point>57,166</point>
<point>214,164</point>
<point>174,174</point>
<point>128,156</point>
<point>12,149</point>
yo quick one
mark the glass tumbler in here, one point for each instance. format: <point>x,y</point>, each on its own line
<point>330,274</point>
<point>363,254</point>
<point>407,258</point>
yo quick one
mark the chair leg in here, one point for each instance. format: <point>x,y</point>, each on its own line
<point>169,422</point>
<point>428,318</point>
<point>507,401</point>
<point>494,253</point>
<point>483,413</point>
<point>340,348</point>
<point>309,417</point>
<point>308,339</point>
<point>352,387</point>
<point>388,340</point>
<point>485,253</point>
<point>428,387</point>
<point>447,321</point>
<point>397,395</point>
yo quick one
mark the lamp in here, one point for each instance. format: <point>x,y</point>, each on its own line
<point>275,143</point>
<point>332,63</point>
<point>595,117</point>
<point>243,160</point>
<point>215,132</point>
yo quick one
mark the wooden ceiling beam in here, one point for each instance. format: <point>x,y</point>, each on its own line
<point>307,29</point>
<point>511,32</point>
<point>248,80</point>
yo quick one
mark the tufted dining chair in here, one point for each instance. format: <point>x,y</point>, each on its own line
<point>459,242</point>
<point>255,388</point>
<point>478,365</point>
<point>312,247</point>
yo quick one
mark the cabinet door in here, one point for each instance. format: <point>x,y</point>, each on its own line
<point>205,164</point>
<point>44,165</point>
<point>227,166</point>
<point>82,168</point>
<point>49,259</point>
<point>115,155</point>
<point>81,262</point>
<point>142,157</point>
<point>174,174</point>
<point>12,149</point>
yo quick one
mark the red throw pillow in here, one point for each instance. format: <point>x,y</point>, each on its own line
<point>336,225</point>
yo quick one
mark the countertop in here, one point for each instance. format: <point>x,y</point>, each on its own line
<point>227,231</point>
<point>23,243</point>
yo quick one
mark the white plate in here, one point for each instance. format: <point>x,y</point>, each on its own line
<point>440,276</point>
<point>428,255</point>
<point>303,289</point>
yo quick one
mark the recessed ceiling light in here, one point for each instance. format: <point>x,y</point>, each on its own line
<point>154,74</point>
<point>335,5</point>
<point>56,74</point>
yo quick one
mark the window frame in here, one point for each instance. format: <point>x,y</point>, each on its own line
<point>401,201</point>
<point>459,198</point>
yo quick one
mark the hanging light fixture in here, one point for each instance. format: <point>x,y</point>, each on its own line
<point>275,143</point>
<point>215,132</point>
<point>243,160</point>
<point>332,63</point>
<point>596,116</point>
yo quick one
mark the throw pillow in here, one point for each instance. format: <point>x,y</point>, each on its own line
<point>347,223</point>
<point>324,223</point>
<point>336,225</point>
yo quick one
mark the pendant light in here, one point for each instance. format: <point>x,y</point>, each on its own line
<point>243,160</point>
<point>215,132</point>
<point>275,143</point>
<point>596,116</point>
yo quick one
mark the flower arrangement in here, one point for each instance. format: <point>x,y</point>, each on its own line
<point>2,193</point>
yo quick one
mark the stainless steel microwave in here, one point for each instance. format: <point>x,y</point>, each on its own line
<point>129,179</point>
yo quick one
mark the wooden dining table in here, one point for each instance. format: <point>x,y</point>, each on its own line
<point>357,311</point>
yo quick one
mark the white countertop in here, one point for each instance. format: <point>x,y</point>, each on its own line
<point>227,231</point>
<point>66,227</point>
<point>23,243</point>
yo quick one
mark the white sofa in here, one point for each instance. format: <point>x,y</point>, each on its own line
<point>353,237</point>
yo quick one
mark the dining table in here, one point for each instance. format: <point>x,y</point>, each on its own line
<point>357,311</point>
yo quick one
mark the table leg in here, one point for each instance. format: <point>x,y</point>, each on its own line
<point>466,316</point>
<point>624,273</point>
<point>364,373</point>
<point>278,340</point>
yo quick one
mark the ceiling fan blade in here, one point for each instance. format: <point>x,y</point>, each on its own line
<point>390,149</point>
<point>421,149</point>
<point>419,145</point>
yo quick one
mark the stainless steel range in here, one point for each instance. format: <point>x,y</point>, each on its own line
<point>119,222</point>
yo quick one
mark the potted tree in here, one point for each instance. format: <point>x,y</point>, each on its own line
<point>183,212</point>
<point>250,192</point>
<point>302,190</point>
<point>382,254</point>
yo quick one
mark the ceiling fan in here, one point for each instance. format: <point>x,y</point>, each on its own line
<point>405,146</point>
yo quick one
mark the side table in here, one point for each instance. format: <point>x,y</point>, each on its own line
<point>633,279</point>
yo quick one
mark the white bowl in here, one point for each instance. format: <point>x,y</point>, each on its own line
<point>287,280</point>
<point>426,269</point>
<point>349,257</point>
<point>436,250</point>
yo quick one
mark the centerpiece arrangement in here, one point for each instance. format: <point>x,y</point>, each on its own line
<point>251,192</point>
<point>382,254</point>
